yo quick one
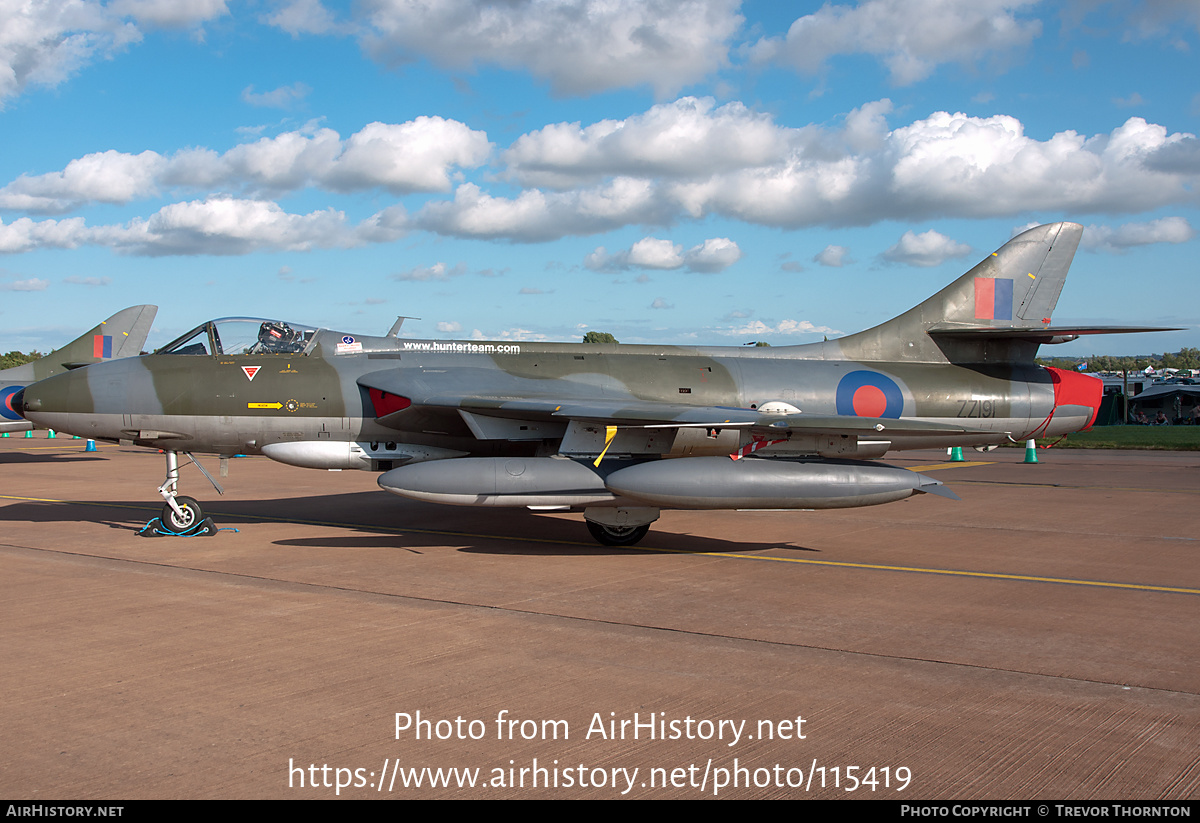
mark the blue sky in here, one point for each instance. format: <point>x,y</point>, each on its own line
<point>673,172</point>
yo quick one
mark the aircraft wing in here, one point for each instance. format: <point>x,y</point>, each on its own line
<point>490,394</point>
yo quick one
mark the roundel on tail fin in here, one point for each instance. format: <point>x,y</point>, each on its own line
<point>869,394</point>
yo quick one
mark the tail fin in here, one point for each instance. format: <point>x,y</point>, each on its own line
<point>999,311</point>
<point>121,335</point>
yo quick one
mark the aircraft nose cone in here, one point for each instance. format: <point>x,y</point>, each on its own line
<point>46,402</point>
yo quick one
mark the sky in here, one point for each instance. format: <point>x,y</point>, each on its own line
<point>676,171</point>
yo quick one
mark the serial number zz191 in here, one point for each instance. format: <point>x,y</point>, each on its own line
<point>977,407</point>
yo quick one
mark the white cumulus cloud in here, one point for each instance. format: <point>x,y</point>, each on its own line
<point>23,234</point>
<point>578,46</point>
<point>32,284</point>
<point>715,254</point>
<point>43,42</point>
<point>676,139</point>
<point>213,226</point>
<point>419,155</point>
<point>1120,238</point>
<point>298,17</point>
<point>224,225</point>
<point>652,253</point>
<point>833,256</point>
<point>170,14</point>
<point>103,177</point>
<point>858,173</point>
<point>438,271</point>
<point>953,165</point>
<point>929,248</point>
<point>758,327</point>
<point>910,37</point>
<point>412,156</point>
<point>535,216</point>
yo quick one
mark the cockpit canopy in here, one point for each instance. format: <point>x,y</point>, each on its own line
<point>244,336</point>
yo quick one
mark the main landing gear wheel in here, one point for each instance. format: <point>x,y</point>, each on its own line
<point>192,514</point>
<point>617,535</point>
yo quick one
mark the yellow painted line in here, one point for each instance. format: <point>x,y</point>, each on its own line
<point>935,466</point>
<point>1068,487</point>
<point>1066,581</point>
<point>952,572</point>
<point>40,499</point>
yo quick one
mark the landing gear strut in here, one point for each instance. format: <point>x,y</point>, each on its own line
<point>182,513</point>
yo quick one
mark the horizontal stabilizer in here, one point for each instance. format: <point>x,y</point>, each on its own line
<point>1045,334</point>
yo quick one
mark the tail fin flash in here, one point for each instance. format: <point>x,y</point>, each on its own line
<point>1017,285</point>
<point>999,311</point>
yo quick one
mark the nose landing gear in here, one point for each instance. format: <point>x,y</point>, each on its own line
<point>182,514</point>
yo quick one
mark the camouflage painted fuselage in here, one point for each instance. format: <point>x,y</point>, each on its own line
<point>553,426</point>
<point>238,404</point>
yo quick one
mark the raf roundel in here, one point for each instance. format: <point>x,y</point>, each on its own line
<point>869,394</point>
<point>7,412</point>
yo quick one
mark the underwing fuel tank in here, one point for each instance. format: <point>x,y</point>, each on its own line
<point>754,483</point>
<point>681,483</point>
<point>499,481</point>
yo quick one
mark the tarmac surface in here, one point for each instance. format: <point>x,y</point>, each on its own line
<point>1035,641</point>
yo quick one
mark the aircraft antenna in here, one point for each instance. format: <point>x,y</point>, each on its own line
<point>395,329</point>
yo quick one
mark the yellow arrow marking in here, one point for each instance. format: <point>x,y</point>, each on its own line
<point>264,405</point>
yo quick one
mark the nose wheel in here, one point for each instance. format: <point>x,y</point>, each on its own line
<point>182,514</point>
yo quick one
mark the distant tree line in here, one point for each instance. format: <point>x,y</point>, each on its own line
<point>1185,358</point>
<point>16,358</point>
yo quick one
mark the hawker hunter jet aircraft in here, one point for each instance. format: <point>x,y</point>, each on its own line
<point>618,432</point>
<point>121,335</point>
